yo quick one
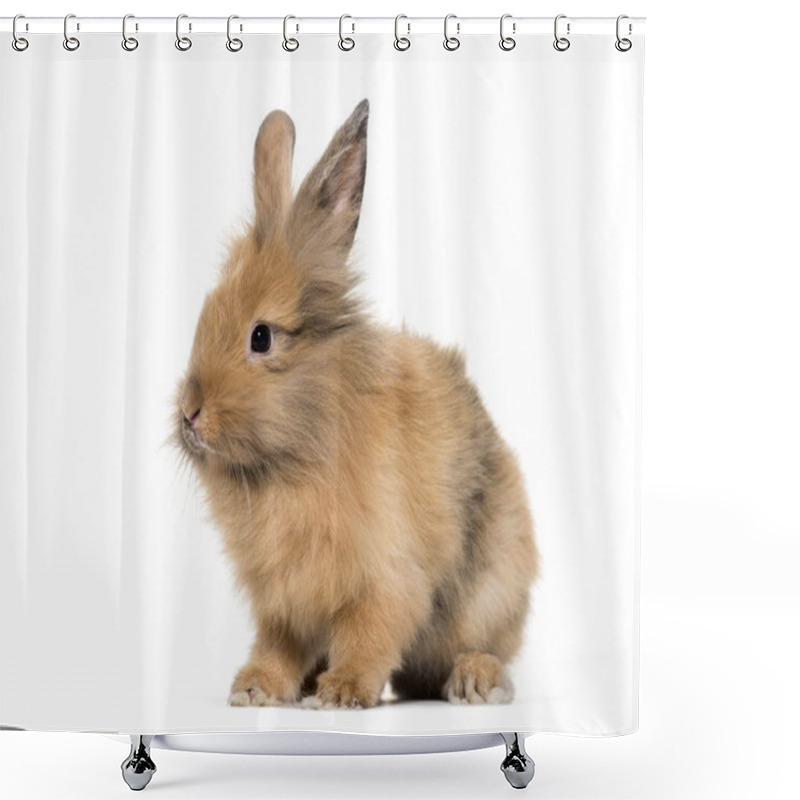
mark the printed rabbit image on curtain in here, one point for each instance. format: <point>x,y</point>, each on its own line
<point>319,385</point>
<point>375,517</point>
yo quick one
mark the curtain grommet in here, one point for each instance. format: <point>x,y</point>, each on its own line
<point>401,43</point>
<point>346,43</point>
<point>561,43</point>
<point>507,43</point>
<point>71,43</point>
<point>234,44</point>
<point>623,44</point>
<point>19,43</point>
<point>451,43</point>
<point>129,43</point>
<point>290,44</point>
<point>183,43</point>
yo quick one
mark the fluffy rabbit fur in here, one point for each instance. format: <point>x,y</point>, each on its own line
<point>376,520</point>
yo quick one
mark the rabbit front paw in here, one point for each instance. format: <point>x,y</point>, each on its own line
<point>341,689</point>
<point>478,678</point>
<point>256,686</point>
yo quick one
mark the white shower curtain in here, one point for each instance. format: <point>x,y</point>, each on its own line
<point>501,214</point>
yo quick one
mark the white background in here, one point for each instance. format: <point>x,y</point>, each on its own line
<point>720,536</point>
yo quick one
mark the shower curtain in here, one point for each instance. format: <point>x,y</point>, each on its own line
<point>489,199</point>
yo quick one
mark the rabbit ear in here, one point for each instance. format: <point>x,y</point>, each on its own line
<point>272,160</point>
<point>328,204</point>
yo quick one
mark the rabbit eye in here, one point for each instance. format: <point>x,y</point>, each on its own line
<point>261,339</point>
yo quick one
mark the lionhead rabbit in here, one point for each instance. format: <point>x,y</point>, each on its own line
<point>376,520</point>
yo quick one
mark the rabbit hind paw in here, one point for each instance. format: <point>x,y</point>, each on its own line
<point>478,678</point>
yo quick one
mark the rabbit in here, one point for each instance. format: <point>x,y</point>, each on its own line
<point>376,520</point>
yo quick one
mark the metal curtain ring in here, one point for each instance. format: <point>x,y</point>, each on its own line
<point>70,42</point>
<point>183,43</point>
<point>233,44</point>
<point>623,45</point>
<point>506,42</point>
<point>561,43</point>
<point>451,42</point>
<point>19,43</point>
<point>345,42</point>
<point>401,42</point>
<point>289,44</point>
<point>129,43</point>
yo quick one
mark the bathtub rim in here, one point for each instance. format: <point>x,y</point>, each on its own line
<point>319,743</point>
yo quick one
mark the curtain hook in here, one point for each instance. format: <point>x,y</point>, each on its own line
<point>451,42</point>
<point>71,43</point>
<point>401,42</point>
<point>289,44</point>
<point>233,44</point>
<point>561,43</point>
<point>506,42</point>
<point>183,43</point>
<point>346,43</point>
<point>19,43</point>
<point>129,43</point>
<point>623,45</point>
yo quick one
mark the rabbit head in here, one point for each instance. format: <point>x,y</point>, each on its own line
<point>265,374</point>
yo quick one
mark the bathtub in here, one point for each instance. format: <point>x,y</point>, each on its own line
<point>138,768</point>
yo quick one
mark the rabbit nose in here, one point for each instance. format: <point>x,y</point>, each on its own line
<point>191,402</point>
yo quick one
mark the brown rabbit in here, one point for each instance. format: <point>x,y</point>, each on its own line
<point>375,518</point>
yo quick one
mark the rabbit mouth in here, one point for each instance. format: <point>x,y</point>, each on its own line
<point>192,440</point>
<point>197,448</point>
<point>240,459</point>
